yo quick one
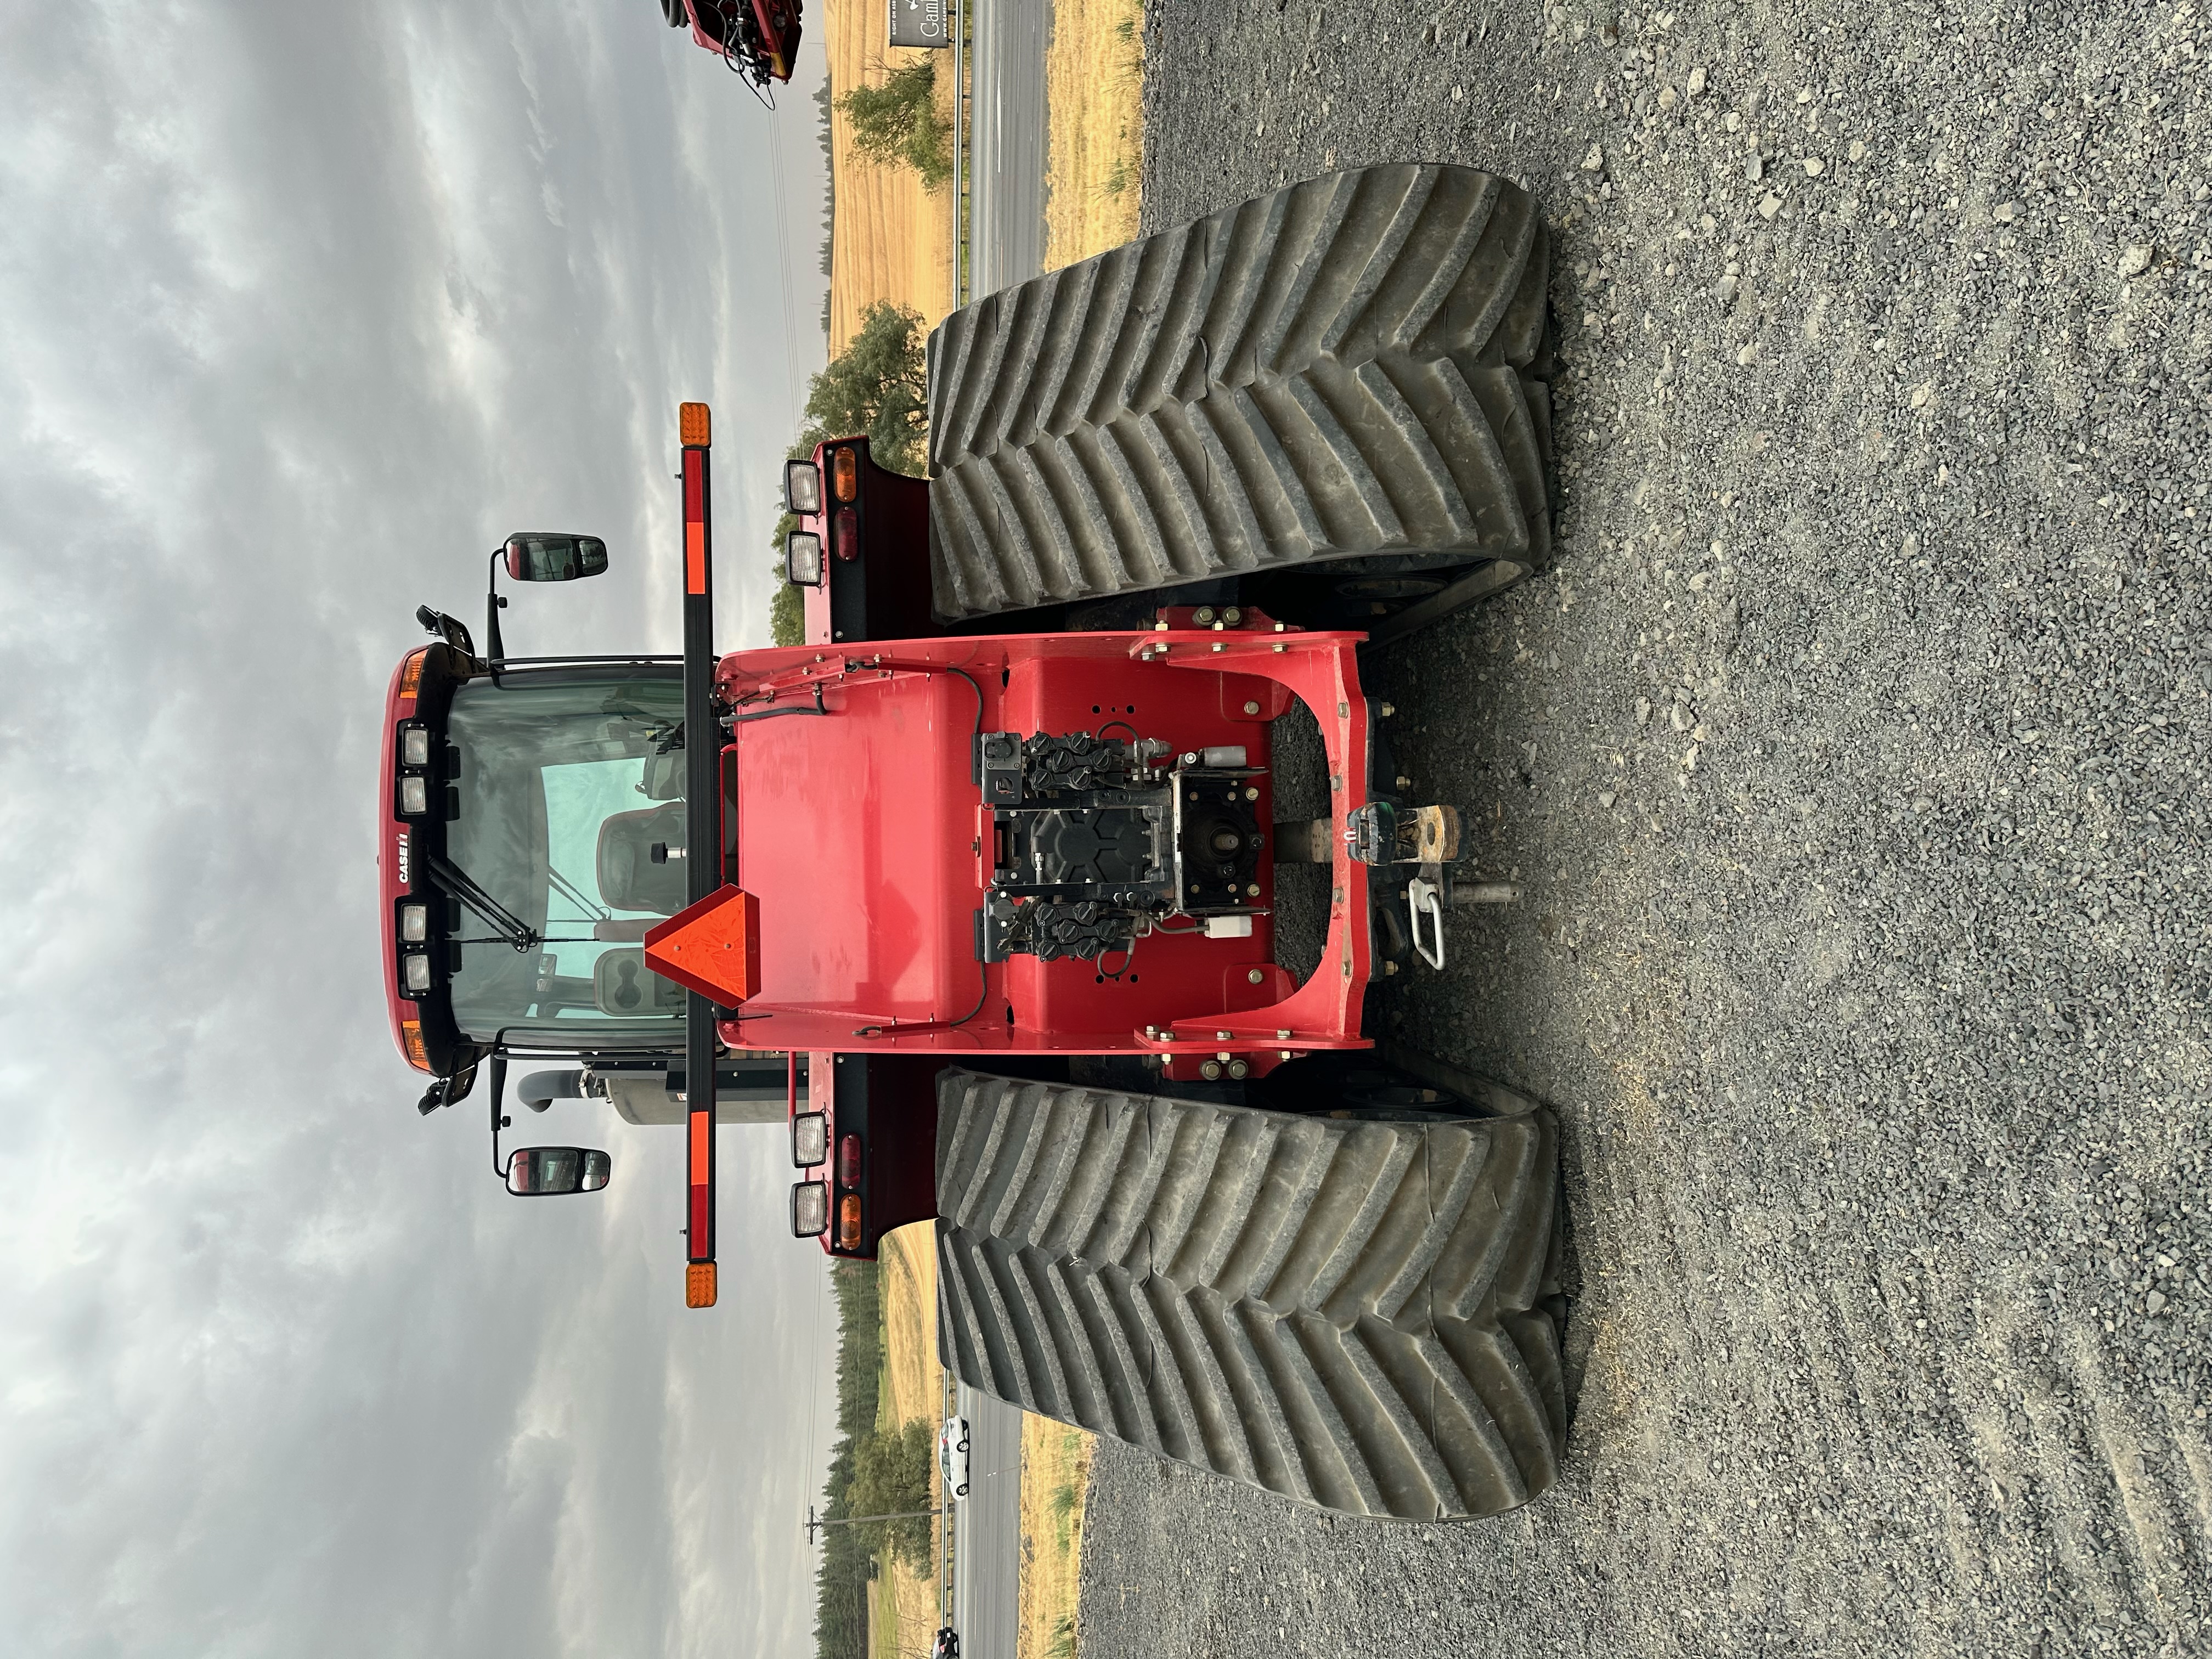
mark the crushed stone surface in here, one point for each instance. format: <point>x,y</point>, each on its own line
<point>1853,760</point>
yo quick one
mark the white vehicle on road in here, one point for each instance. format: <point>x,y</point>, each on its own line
<point>952,1455</point>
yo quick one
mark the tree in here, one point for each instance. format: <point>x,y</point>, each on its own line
<point>877,385</point>
<point>898,124</point>
<point>786,611</point>
<point>891,1476</point>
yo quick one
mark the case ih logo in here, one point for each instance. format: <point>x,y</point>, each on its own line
<point>406,877</point>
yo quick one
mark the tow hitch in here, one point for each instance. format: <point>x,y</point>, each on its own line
<point>1418,845</point>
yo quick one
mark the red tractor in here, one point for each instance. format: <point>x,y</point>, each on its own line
<point>757,37</point>
<point>983,892</point>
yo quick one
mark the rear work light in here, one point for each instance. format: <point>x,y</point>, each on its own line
<point>413,796</point>
<point>802,487</point>
<point>414,972</point>
<point>844,475</point>
<point>414,923</point>
<point>802,558</point>
<point>415,745</point>
<point>810,1210</point>
<point>810,1140</point>
<point>848,1222</point>
<point>848,1161</point>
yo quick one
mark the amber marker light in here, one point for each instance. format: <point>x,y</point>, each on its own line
<point>844,474</point>
<point>695,423</point>
<point>699,1285</point>
<point>848,1222</point>
<point>411,1039</point>
<point>410,672</point>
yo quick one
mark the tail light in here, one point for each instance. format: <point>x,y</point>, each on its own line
<point>848,1222</point>
<point>848,1161</point>
<point>845,534</point>
<point>845,475</point>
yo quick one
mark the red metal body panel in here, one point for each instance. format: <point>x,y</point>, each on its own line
<point>392,865</point>
<point>861,833</point>
<point>845,825</point>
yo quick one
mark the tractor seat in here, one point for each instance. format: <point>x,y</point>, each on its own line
<point>628,877</point>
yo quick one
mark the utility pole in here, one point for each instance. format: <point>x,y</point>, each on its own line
<point>813,1524</point>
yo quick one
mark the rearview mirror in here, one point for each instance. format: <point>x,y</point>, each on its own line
<point>552,1171</point>
<point>534,556</point>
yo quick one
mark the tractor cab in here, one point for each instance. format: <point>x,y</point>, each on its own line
<point>534,833</point>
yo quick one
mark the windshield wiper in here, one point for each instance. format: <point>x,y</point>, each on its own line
<point>457,881</point>
<point>576,896</point>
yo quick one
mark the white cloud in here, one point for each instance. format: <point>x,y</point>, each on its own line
<point>301,309</point>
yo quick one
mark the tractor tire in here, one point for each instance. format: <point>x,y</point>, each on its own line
<point>1361,1316</point>
<point>1350,373</point>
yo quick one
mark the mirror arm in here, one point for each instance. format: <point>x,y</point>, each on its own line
<point>498,1123</point>
<point>494,647</point>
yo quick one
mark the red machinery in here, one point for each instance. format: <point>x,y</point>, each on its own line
<point>759,37</point>
<point>987,918</point>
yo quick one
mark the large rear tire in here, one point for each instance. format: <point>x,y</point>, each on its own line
<point>1362,1315</point>
<point>1349,373</point>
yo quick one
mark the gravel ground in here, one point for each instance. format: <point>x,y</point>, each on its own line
<point>1853,756</point>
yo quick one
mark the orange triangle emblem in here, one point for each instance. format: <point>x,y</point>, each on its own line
<point>712,947</point>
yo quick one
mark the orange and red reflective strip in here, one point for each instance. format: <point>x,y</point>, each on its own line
<point>701,1230</point>
<point>694,521</point>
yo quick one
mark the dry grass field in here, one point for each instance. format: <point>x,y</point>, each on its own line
<point>1095,143</point>
<point>1055,1472</point>
<point>903,1609</point>
<point>893,240</point>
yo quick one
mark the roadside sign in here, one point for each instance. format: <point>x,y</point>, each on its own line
<point>919,23</point>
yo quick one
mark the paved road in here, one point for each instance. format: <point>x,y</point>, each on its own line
<point>988,1537</point>
<point>1009,135</point>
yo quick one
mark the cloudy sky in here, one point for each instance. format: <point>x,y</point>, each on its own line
<point>301,309</point>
